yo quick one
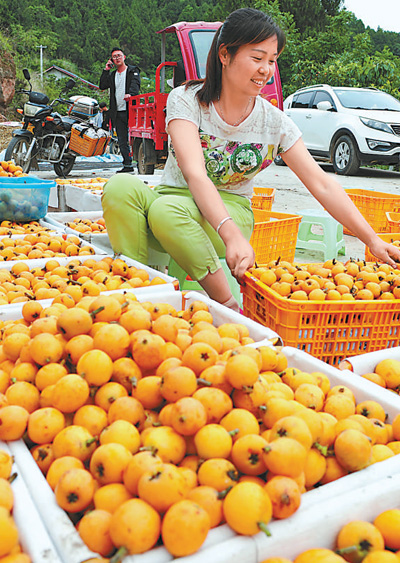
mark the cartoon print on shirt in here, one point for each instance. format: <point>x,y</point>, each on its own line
<point>230,162</point>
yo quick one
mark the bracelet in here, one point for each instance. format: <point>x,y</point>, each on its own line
<point>222,222</point>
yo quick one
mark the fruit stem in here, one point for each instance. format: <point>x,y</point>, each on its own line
<point>119,555</point>
<point>322,449</point>
<point>12,477</point>
<point>348,549</point>
<point>264,528</point>
<point>202,381</point>
<point>99,310</point>
<point>222,494</point>
<point>233,432</point>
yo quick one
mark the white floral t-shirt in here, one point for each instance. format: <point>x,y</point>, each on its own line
<point>233,155</point>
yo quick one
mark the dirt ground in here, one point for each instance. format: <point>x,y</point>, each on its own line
<point>5,135</point>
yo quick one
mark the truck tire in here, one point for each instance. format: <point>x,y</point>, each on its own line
<point>16,151</point>
<point>142,167</point>
<point>345,158</point>
<point>279,161</point>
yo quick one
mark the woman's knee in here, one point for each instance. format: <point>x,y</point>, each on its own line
<point>124,187</point>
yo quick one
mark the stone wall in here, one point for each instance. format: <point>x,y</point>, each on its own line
<point>7,82</point>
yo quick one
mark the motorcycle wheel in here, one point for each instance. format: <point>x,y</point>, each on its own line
<point>113,147</point>
<point>17,150</point>
<point>64,167</point>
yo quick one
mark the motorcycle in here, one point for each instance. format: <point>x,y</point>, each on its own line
<point>45,134</point>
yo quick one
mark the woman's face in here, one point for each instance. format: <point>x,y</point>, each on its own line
<point>251,68</point>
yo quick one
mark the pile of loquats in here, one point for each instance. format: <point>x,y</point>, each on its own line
<point>358,541</point>
<point>10,548</point>
<point>153,425</point>
<point>67,284</point>
<point>87,225</point>
<point>9,169</point>
<point>386,374</point>
<point>42,245</point>
<point>331,281</point>
<point>13,228</point>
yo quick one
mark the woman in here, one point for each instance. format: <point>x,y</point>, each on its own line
<point>221,134</point>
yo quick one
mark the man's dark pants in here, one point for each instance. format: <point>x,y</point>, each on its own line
<point>121,126</point>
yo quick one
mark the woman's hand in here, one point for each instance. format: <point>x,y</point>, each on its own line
<point>388,253</point>
<point>239,255</point>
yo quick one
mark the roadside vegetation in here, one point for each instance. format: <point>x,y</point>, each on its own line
<point>325,42</point>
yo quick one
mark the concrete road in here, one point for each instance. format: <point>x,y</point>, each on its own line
<point>291,195</point>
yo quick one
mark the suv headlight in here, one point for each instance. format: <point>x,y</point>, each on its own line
<point>374,124</point>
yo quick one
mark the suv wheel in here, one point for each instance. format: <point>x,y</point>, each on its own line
<point>345,158</point>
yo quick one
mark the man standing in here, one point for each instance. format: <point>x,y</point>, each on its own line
<point>123,83</point>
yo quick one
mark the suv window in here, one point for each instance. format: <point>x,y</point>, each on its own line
<point>302,100</point>
<point>321,96</point>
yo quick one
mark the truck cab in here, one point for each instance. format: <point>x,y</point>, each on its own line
<point>148,138</point>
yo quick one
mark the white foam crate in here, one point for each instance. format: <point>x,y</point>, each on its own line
<point>326,508</point>
<point>366,363</point>
<point>40,262</point>
<point>33,536</point>
<point>316,527</point>
<point>222,544</point>
<point>59,221</point>
<point>81,199</point>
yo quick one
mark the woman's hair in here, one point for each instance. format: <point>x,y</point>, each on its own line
<point>242,27</point>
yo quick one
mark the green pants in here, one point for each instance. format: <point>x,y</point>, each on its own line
<point>168,220</point>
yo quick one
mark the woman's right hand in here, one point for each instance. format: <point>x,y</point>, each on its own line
<point>240,256</point>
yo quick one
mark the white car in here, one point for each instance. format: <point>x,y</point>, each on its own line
<point>348,127</point>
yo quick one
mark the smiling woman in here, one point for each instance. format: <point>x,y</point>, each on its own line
<point>221,134</point>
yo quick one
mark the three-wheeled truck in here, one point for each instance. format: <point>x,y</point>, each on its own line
<point>147,134</point>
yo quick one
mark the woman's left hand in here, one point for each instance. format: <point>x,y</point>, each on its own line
<point>388,253</point>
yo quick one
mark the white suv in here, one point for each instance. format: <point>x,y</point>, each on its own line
<point>347,126</point>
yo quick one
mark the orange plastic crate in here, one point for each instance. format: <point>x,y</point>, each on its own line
<point>392,222</point>
<point>387,237</point>
<point>87,146</point>
<point>274,236</point>
<point>263,198</point>
<point>373,207</point>
<point>328,330</point>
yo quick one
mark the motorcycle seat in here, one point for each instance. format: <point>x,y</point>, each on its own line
<point>68,122</point>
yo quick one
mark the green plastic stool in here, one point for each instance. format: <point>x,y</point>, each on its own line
<point>331,242</point>
<point>187,284</point>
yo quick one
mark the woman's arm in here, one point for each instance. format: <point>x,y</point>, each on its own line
<point>185,140</point>
<point>333,197</point>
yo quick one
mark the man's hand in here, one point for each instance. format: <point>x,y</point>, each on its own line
<point>109,65</point>
<point>127,97</point>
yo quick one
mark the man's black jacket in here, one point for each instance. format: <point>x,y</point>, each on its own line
<point>132,85</point>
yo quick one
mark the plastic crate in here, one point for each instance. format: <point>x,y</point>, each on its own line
<point>373,207</point>
<point>263,198</point>
<point>274,235</point>
<point>387,237</point>
<point>24,198</point>
<point>87,145</point>
<point>328,330</point>
<point>393,222</point>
